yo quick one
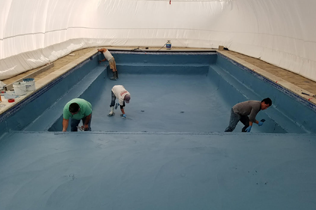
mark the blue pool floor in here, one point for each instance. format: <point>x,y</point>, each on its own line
<point>166,103</point>
<point>79,171</point>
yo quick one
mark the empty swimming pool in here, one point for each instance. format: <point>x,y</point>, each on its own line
<point>174,93</point>
<point>171,151</point>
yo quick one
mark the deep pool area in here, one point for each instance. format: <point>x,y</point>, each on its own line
<point>171,152</point>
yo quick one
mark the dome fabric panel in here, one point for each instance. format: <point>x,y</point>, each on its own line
<point>35,32</point>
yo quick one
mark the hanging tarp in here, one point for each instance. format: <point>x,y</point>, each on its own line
<point>35,32</point>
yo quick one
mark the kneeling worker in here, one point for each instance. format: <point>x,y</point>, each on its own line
<point>118,91</point>
<point>78,109</point>
<point>240,112</point>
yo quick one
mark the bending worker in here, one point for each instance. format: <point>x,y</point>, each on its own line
<point>240,112</point>
<point>108,56</point>
<point>118,91</point>
<point>77,109</point>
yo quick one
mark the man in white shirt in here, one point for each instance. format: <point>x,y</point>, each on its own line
<point>108,56</point>
<point>119,92</point>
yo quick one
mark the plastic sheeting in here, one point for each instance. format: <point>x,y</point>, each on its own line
<point>35,32</point>
<point>280,32</point>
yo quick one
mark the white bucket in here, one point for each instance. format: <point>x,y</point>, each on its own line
<point>19,88</point>
<point>10,94</point>
<point>29,84</point>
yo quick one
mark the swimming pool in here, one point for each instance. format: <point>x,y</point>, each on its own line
<point>171,151</point>
<point>175,92</point>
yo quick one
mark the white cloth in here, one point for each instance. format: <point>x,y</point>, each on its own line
<point>120,92</point>
<point>107,55</point>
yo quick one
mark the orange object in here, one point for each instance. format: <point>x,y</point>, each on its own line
<point>11,100</point>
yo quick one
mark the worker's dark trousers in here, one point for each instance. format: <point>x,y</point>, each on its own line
<point>75,123</point>
<point>234,119</point>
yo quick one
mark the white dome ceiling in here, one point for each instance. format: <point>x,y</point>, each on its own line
<point>35,32</point>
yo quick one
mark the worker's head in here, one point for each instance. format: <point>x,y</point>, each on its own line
<point>265,103</point>
<point>74,108</point>
<point>127,97</point>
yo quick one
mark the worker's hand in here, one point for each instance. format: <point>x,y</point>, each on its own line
<point>100,61</point>
<point>123,115</point>
<point>261,122</point>
<point>85,127</point>
<point>248,129</point>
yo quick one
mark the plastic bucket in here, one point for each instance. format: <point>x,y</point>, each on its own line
<point>10,94</point>
<point>19,88</point>
<point>29,84</point>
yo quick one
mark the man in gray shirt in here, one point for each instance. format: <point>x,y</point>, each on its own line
<point>240,112</point>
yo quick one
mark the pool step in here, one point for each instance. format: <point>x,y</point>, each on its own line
<point>240,92</point>
<point>54,112</point>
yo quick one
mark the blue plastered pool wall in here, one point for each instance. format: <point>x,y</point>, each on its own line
<point>232,91</point>
<point>287,106</point>
<point>164,63</point>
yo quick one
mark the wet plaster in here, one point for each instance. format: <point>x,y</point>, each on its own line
<point>157,171</point>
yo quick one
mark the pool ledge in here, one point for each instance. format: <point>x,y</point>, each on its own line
<point>41,83</point>
<point>287,85</point>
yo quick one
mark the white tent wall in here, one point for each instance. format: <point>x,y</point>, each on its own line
<point>35,32</point>
<point>280,32</point>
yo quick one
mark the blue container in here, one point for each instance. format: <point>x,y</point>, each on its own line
<point>168,45</point>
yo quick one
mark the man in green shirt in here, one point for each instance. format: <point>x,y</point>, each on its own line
<point>77,109</point>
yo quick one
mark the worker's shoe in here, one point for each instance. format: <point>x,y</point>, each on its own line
<point>114,76</point>
<point>111,111</point>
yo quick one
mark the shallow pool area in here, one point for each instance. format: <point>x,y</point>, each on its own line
<point>171,152</point>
